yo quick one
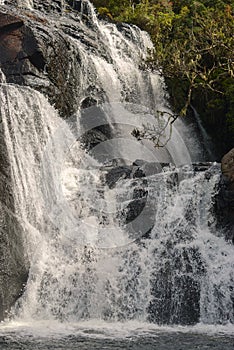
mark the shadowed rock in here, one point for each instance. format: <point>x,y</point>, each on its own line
<point>225,198</point>
<point>13,262</point>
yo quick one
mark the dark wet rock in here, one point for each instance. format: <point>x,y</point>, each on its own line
<point>122,172</point>
<point>10,37</point>
<point>135,208</point>
<point>137,214</point>
<point>13,263</point>
<point>152,168</point>
<point>92,138</point>
<point>49,6</point>
<point>40,5</point>
<point>227,167</point>
<point>142,168</point>
<point>37,49</point>
<point>204,166</point>
<point>88,102</point>
<point>224,204</point>
<point>81,6</point>
<point>176,295</point>
<point>14,268</point>
<point>94,128</point>
<point>164,309</point>
<point>26,49</point>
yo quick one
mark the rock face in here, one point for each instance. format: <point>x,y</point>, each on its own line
<point>40,49</point>
<point>34,44</point>
<point>166,281</point>
<point>13,263</point>
<point>225,197</point>
<point>227,167</point>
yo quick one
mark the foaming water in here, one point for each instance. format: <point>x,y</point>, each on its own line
<point>28,4</point>
<point>96,334</point>
<point>2,77</point>
<point>97,328</point>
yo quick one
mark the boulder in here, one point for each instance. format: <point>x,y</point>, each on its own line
<point>227,167</point>
<point>224,205</point>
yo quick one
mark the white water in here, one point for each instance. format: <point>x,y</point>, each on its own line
<point>28,4</point>
<point>98,329</point>
<point>2,77</point>
<point>60,204</point>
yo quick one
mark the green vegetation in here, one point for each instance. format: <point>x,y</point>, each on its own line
<point>194,50</point>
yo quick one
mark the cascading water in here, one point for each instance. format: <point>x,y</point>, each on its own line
<point>85,260</point>
<point>25,3</point>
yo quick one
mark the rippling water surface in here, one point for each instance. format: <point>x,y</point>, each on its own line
<point>98,335</point>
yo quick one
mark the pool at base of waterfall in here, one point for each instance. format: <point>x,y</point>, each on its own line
<point>88,335</point>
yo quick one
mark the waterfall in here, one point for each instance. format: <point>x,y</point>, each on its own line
<point>206,139</point>
<point>93,253</point>
<point>25,136</point>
